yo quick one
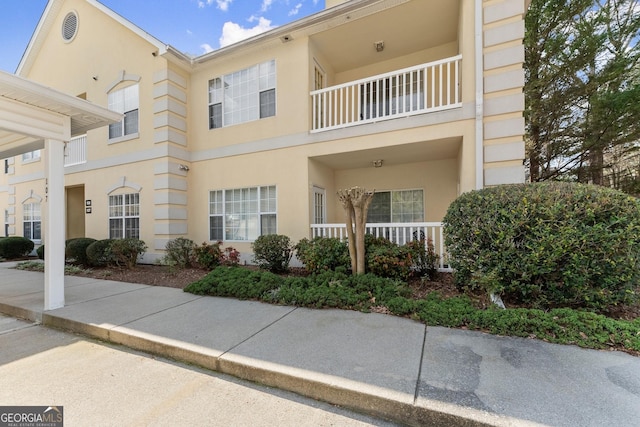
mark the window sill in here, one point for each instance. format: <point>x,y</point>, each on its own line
<point>124,138</point>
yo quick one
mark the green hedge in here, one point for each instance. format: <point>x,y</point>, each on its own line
<point>15,247</point>
<point>547,244</point>
<point>76,250</point>
<point>99,253</point>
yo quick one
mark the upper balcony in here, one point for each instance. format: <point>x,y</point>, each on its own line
<point>75,151</point>
<point>388,59</point>
<point>424,88</point>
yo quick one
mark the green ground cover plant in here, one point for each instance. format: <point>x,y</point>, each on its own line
<point>366,292</point>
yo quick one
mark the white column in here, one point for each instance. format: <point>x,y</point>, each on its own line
<point>54,225</point>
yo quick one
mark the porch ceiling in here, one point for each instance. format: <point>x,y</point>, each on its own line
<point>447,148</point>
<point>31,112</point>
<point>407,28</point>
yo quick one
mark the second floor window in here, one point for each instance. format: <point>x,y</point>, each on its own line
<point>243,96</point>
<point>31,156</point>
<point>125,101</point>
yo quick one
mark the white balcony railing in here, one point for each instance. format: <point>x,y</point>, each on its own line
<point>400,233</point>
<point>419,89</point>
<point>75,151</point>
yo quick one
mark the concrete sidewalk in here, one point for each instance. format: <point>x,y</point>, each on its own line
<point>382,365</point>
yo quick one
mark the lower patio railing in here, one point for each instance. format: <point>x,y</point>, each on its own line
<point>399,233</point>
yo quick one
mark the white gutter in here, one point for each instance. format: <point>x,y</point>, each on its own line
<point>479,68</point>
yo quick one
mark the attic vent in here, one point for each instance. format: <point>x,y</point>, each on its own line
<point>69,26</point>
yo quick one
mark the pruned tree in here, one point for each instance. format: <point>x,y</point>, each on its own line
<point>355,202</point>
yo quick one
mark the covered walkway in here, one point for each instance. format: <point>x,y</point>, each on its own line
<point>35,117</point>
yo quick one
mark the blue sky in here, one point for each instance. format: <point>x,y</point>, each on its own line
<point>192,26</point>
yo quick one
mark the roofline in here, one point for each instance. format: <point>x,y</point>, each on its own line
<point>55,5</point>
<point>302,23</point>
<point>185,60</point>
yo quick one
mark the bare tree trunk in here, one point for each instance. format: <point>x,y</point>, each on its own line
<point>345,199</point>
<point>356,203</point>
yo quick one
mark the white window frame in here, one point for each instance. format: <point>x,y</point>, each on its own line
<point>319,205</point>
<point>240,97</point>
<point>32,215</point>
<point>393,210</point>
<point>127,102</point>
<point>31,156</point>
<point>239,216</point>
<point>125,209</point>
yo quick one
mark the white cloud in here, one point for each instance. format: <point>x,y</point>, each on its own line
<point>295,10</point>
<point>266,4</point>
<point>222,4</point>
<point>233,33</point>
<point>206,48</point>
<point>189,32</point>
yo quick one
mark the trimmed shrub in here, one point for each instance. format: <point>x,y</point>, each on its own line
<point>15,247</point>
<point>40,252</point>
<point>76,250</point>
<point>180,252</point>
<point>387,259</point>
<point>125,252</point>
<point>323,253</point>
<point>547,244</point>
<point>272,252</point>
<point>209,256</point>
<point>99,253</point>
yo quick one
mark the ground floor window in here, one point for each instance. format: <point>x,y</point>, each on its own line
<point>396,206</point>
<point>124,216</point>
<point>31,221</point>
<point>242,214</point>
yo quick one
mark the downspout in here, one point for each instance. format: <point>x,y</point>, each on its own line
<point>479,68</point>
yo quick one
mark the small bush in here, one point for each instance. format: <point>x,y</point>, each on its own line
<point>272,252</point>
<point>76,250</point>
<point>323,253</point>
<point>424,258</point>
<point>126,251</point>
<point>15,247</point>
<point>40,252</point>
<point>209,256</point>
<point>230,257</point>
<point>547,244</point>
<point>180,252</point>
<point>387,259</point>
<point>99,253</point>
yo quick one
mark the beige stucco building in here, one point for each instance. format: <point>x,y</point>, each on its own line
<point>420,100</point>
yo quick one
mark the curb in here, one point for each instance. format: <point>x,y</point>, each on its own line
<point>393,406</point>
